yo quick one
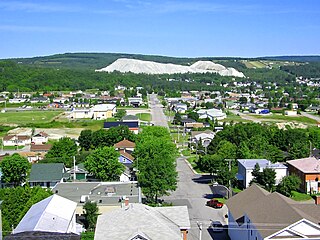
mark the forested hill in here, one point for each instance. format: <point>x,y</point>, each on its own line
<point>92,61</point>
<point>311,58</point>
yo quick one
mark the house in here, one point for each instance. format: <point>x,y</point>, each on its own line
<point>47,175</point>
<point>130,118</point>
<point>255,214</point>
<point>103,111</point>
<point>205,137</point>
<point>139,221</point>
<point>33,157</point>
<point>246,166</point>
<point>180,107</point>
<point>125,145</point>
<point>308,170</point>
<point>132,125</point>
<point>53,214</point>
<point>41,235</point>
<point>105,194</point>
<point>40,147</point>
<point>212,114</point>
<point>97,112</point>
<point>16,140</point>
<point>39,138</point>
<point>135,101</point>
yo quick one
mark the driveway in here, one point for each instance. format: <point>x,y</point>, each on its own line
<point>308,115</point>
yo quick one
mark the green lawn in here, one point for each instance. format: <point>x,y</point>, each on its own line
<point>297,196</point>
<point>300,119</point>
<point>233,117</point>
<point>186,152</point>
<point>25,117</point>
<point>144,116</point>
<point>12,147</point>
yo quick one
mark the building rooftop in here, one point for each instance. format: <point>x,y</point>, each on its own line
<point>270,212</point>
<point>125,144</point>
<point>306,165</point>
<point>139,220</point>
<point>47,172</point>
<point>263,163</point>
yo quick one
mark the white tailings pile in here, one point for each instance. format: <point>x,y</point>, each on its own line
<point>149,67</point>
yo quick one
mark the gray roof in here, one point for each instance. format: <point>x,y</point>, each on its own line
<point>130,117</point>
<point>47,172</point>
<point>263,163</point>
<point>195,133</point>
<point>270,212</point>
<point>148,222</point>
<point>98,191</point>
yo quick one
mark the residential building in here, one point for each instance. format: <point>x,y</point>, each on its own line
<point>78,172</point>
<point>290,113</point>
<point>255,214</point>
<point>47,175</point>
<point>53,214</point>
<point>135,101</point>
<point>132,125</point>
<point>211,114</point>
<point>16,140</point>
<point>97,112</point>
<point>180,107</point>
<point>33,157</point>
<point>40,147</point>
<point>130,118</point>
<point>308,170</point>
<point>125,145</point>
<point>204,136</point>
<point>39,138</point>
<point>139,221</point>
<point>106,194</point>
<point>246,166</point>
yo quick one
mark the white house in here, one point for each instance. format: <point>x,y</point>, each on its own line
<point>256,214</point>
<point>205,137</point>
<point>211,114</point>
<point>97,112</point>
<point>180,107</point>
<point>290,113</point>
<point>39,138</point>
<point>16,140</point>
<point>135,101</point>
<point>246,166</point>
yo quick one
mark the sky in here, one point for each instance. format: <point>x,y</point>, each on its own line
<point>178,28</point>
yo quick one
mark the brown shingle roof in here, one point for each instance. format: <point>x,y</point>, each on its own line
<point>40,147</point>
<point>270,212</point>
<point>19,137</point>
<point>126,154</point>
<point>125,144</point>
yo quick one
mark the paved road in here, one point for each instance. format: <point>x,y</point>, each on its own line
<point>193,190</point>
<point>315,117</point>
<point>158,117</point>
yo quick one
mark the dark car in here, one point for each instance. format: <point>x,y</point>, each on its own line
<point>214,203</point>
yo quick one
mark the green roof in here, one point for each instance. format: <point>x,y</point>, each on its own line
<point>47,172</point>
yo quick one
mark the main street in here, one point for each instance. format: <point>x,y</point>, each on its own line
<point>192,190</point>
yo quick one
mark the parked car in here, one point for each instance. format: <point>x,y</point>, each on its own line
<point>214,203</point>
<point>216,226</point>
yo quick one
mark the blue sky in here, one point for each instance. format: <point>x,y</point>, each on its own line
<point>246,28</point>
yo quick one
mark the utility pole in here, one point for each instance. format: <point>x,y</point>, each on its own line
<point>229,163</point>
<point>74,168</point>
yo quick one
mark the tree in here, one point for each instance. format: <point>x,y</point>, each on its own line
<point>177,118</point>
<point>104,164</point>
<point>266,178</point>
<point>63,151</point>
<point>243,100</point>
<point>91,212</point>
<point>288,184</point>
<point>155,161</point>
<point>210,163</point>
<point>85,139</point>
<point>256,173</point>
<point>193,115</point>
<point>120,114</point>
<point>14,169</point>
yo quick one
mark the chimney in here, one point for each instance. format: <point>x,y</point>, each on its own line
<point>317,200</point>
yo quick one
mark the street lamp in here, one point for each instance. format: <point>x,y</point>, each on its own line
<point>215,184</point>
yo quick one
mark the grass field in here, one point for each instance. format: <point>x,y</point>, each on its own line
<point>297,196</point>
<point>233,117</point>
<point>26,117</point>
<point>254,64</point>
<point>144,116</point>
<point>300,119</point>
